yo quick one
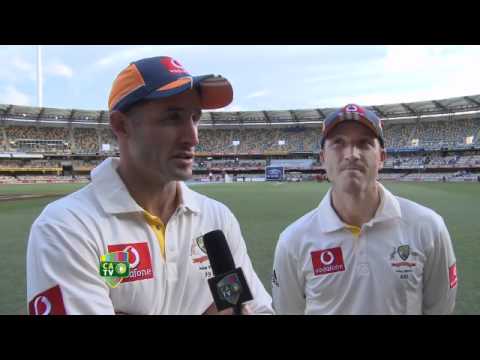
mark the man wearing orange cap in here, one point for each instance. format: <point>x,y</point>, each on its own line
<point>363,250</point>
<point>131,241</point>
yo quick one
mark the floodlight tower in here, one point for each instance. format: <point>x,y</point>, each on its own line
<point>39,76</point>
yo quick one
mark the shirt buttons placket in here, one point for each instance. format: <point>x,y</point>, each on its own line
<point>363,267</point>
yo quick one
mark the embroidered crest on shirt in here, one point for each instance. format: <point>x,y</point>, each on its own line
<point>198,251</point>
<point>198,254</point>
<point>402,260</point>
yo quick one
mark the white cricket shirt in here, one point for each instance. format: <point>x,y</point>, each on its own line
<point>401,263</point>
<point>69,237</point>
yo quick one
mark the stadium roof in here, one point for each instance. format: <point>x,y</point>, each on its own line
<point>392,111</point>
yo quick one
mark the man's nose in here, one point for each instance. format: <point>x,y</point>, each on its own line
<point>352,152</point>
<point>190,132</point>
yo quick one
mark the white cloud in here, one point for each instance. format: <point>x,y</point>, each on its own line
<point>258,94</point>
<point>15,68</point>
<point>122,56</point>
<point>21,64</point>
<point>59,69</point>
<point>136,52</point>
<point>10,95</point>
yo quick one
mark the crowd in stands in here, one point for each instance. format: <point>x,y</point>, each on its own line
<point>245,140</point>
<point>86,140</point>
<point>36,133</point>
<point>431,161</point>
<point>397,135</point>
<point>43,163</point>
<point>107,137</point>
<point>30,163</point>
<point>432,134</point>
<point>259,141</point>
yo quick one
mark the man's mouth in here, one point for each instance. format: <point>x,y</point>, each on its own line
<point>353,168</point>
<point>184,156</point>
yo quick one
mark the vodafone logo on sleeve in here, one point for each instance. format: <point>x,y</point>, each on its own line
<point>452,272</point>
<point>139,259</point>
<point>49,302</point>
<point>327,261</point>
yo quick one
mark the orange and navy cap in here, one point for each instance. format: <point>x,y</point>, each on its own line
<point>160,77</point>
<point>352,112</point>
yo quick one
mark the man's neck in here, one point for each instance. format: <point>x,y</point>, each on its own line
<point>160,200</point>
<point>356,208</point>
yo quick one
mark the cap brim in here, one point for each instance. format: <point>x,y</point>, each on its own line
<point>215,92</point>
<point>363,122</point>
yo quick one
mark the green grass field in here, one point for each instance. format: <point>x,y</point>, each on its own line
<point>264,210</point>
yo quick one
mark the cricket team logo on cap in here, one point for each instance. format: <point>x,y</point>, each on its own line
<point>139,260</point>
<point>173,66</point>
<point>351,108</point>
<point>327,261</point>
<point>49,302</point>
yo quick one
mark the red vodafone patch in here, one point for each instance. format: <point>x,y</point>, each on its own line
<point>327,261</point>
<point>139,259</point>
<point>452,274</point>
<point>49,302</point>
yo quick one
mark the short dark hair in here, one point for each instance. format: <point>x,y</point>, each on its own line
<point>131,108</point>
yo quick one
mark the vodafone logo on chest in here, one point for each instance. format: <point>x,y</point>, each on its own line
<point>327,261</point>
<point>139,259</point>
<point>49,302</point>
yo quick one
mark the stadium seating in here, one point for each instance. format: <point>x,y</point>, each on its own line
<point>85,140</point>
<point>246,142</point>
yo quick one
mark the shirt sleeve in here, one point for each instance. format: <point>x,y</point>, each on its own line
<point>440,274</point>
<point>287,287</point>
<point>63,271</point>
<point>262,301</point>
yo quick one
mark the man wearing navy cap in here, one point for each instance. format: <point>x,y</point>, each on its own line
<point>130,242</point>
<point>363,250</point>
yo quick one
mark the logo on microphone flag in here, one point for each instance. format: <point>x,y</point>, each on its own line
<point>230,288</point>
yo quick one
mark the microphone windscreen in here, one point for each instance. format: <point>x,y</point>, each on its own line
<point>218,252</point>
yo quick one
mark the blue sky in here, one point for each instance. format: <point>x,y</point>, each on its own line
<point>264,77</point>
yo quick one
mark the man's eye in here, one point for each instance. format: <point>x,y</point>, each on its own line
<point>366,143</point>
<point>174,116</point>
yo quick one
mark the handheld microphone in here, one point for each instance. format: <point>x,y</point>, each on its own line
<point>228,286</point>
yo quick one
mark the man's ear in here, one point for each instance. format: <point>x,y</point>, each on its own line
<point>383,156</point>
<point>321,156</point>
<point>118,121</point>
